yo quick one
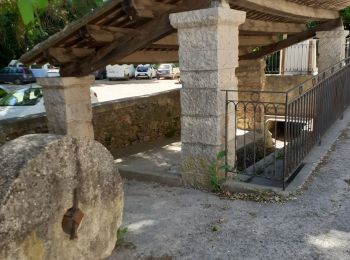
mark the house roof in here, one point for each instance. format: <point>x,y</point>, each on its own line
<point>139,31</point>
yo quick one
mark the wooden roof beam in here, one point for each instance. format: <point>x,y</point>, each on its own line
<point>271,27</point>
<point>287,9</point>
<point>149,57</point>
<point>67,55</point>
<point>152,31</point>
<point>257,40</point>
<point>291,40</point>
<point>105,34</point>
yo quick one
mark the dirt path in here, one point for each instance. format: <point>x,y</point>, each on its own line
<point>177,223</point>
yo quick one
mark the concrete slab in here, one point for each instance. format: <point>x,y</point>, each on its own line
<point>160,162</point>
<point>152,162</point>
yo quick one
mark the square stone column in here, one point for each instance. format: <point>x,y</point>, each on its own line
<point>331,47</point>
<point>68,105</point>
<point>208,55</point>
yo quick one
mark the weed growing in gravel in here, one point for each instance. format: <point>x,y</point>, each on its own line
<point>215,170</point>
<point>121,242</point>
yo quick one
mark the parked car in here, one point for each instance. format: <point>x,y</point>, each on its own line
<point>3,92</point>
<point>100,74</point>
<point>38,71</point>
<point>16,64</point>
<point>168,71</point>
<point>145,71</point>
<point>17,75</point>
<point>23,97</point>
<point>25,102</point>
<point>124,71</point>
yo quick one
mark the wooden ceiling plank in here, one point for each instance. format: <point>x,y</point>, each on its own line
<point>271,27</point>
<point>257,40</point>
<point>67,55</point>
<point>291,40</point>
<point>68,31</point>
<point>287,9</point>
<point>153,31</point>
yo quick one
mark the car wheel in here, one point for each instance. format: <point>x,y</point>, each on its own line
<point>128,77</point>
<point>18,82</point>
<point>158,78</point>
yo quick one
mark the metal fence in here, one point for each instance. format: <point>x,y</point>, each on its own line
<point>347,47</point>
<point>297,59</point>
<point>273,132</point>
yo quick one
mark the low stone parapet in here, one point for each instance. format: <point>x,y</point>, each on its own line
<point>117,124</point>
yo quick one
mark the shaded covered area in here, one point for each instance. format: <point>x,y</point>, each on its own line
<point>125,31</point>
<point>215,43</point>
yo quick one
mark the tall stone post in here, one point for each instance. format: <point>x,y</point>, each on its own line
<point>331,47</point>
<point>208,54</point>
<point>68,105</point>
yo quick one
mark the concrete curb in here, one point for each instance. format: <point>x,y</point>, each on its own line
<point>169,179</point>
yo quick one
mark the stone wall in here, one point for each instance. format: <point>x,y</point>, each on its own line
<point>251,76</point>
<point>117,124</point>
<point>285,82</point>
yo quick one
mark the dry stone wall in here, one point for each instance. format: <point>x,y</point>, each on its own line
<point>117,124</point>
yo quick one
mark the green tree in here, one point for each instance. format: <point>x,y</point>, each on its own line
<point>24,23</point>
<point>346,17</point>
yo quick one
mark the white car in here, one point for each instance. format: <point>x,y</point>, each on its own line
<point>124,71</point>
<point>25,102</point>
<point>145,71</point>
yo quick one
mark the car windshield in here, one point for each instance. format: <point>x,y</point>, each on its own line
<point>164,67</point>
<point>142,68</point>
<point>23,97</point>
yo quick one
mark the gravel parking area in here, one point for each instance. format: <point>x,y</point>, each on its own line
<point>177,223</point>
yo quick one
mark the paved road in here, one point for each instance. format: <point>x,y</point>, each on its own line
<point>105,90</point>
<point>177,223</point>
<point>113,90</point>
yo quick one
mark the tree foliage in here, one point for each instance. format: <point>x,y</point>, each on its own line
<point>24,23</point>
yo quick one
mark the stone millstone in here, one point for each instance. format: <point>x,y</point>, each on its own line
<point>38,176</point>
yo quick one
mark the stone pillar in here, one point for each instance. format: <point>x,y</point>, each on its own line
<point>208,54</point>
<point>68,105</point>
<point>251,76</point>
<point>331,47</point>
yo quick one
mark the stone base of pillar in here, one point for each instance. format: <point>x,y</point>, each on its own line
<point>68,105</point>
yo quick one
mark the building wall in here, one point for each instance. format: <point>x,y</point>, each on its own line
<point>117,124</point>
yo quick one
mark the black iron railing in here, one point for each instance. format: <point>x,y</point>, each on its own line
<point>269,133</point>
<point>347,47</point>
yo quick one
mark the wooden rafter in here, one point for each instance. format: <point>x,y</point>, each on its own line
<point>155,29</point>
<point>291,40</point>
<point>287,9</point>
<point>271,27</point>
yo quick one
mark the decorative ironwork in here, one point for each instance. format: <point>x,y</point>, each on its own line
<point>275,133</point>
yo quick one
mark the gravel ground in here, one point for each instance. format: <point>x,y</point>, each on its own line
<point>177,223</point>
